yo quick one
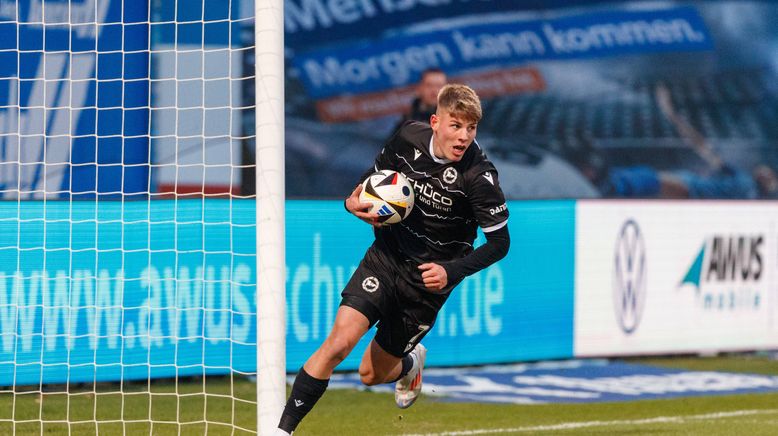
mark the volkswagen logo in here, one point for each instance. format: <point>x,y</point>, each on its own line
<point>629,276</point>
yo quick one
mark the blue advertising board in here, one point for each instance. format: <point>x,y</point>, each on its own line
<point>315,21</point>
<point>518,309</point>
<point>129,290</point>
<point>371,66</point>
<point>74,99</point>
<point>126,290</point>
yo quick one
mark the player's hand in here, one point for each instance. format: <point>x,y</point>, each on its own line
<point>434,276</point>
<point>359,209</point>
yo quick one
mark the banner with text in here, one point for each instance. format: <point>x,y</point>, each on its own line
<point>396,61</point>
<point>126,290</point>
<point>588,99</point>
<point>672,277</point>
<point>517,309</point>
<point>108,291</point>
<point>314,21</point>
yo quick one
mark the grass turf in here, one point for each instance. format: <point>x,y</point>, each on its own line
<point>224,405</point>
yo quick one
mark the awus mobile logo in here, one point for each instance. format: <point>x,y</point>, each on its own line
<point>727,272</point>
<point>629,276</point>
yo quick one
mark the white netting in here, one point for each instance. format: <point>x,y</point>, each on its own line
<point>128,247</point>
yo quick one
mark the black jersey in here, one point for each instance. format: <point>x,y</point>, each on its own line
<point>452,199</point>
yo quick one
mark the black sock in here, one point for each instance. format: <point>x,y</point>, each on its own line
<point>407,365</point>
<point>306,391</point>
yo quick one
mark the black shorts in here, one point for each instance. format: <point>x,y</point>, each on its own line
<point>404,313</point>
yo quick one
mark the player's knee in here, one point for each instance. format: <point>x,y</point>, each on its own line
<point>369,377</point>
<point>338,347</point>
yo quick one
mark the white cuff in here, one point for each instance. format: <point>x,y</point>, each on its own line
<point>494,227</point>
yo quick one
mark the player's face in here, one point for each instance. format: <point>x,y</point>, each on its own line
<point>451,135</point>
<point>430,86</point>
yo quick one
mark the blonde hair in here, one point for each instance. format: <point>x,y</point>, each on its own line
<point>461,101</point>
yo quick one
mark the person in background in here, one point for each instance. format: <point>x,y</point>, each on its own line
<point>766,180</point>
<point>426,101</point>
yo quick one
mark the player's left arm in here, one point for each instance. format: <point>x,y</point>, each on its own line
<point>437,276</point>
<point>491,212</point>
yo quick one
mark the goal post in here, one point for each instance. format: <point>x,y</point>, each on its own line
<point>271,265</point>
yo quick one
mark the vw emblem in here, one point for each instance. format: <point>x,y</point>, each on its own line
<point>629,276</point>
<point>370,284</point>
<point>450,175</point>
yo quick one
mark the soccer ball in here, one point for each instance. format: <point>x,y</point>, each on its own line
<point>391,196</point>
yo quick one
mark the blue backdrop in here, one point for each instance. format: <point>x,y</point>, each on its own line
<point>111,290</point>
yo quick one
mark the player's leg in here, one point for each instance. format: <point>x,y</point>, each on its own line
<point>313,378</point>
<point>358,311</point>
<point>408,386</point>
<point>378,366</point>
<point>403,338</point>
<point>350,325</point>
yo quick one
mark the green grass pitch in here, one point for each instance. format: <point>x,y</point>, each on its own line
<point>217,406</point>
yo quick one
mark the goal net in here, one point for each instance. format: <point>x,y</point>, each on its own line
<point>129,226</point>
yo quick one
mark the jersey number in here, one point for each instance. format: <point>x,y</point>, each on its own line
<point>412,343</point>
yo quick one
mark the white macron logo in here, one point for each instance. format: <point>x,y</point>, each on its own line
<point>488,176</point>
<point>416,154</point>
<point>298,403</point>
<point>370,284</point>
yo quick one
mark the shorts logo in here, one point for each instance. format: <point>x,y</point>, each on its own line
<point>370,284</point>
<point>450,175</point>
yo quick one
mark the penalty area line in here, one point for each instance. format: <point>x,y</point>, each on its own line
<point>584,424</point>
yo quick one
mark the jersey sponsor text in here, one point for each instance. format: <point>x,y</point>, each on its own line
<point>429,196</point>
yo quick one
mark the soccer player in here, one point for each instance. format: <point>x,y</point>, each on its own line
<point>410,270</point>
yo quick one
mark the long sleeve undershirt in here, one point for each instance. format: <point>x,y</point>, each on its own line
<point>495,248</point>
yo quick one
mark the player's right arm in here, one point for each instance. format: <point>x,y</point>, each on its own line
<point>383,161</point>
<point>360,209</point>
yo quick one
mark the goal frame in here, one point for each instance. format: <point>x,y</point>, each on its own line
<point>271,254</point>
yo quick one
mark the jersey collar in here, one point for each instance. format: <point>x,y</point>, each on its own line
<point>432,153</point>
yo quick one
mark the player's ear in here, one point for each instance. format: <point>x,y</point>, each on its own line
<point>434,120</point>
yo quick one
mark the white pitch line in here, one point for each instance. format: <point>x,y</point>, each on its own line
<point>584,424</point>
